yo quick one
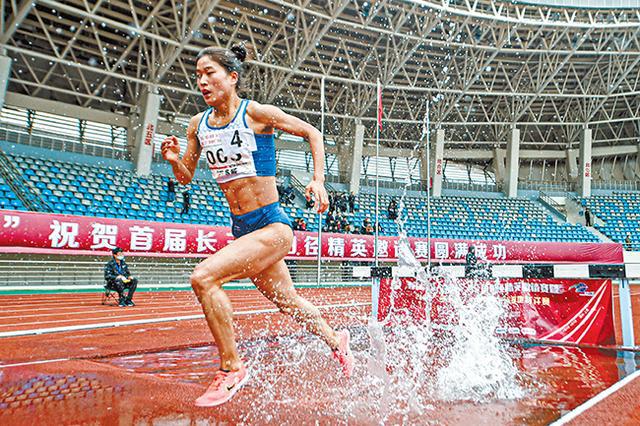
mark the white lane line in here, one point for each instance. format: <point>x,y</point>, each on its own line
<point>44,361</point>
<point>120,315</point>
<point>595,400</point>
<point>70,303</point>
<point>47,312</point>
<point>151,308</point>
<point>147,303</point>
<point>259,302</point>
<point>38,331</point>
<point>65,303</point>
<point>167,287</point>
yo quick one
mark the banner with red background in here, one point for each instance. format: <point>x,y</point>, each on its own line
<point>558,310</point>
<point>28,232</point>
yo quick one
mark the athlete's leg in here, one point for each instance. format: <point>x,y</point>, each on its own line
<point>276,284</point>
<point>242,258</point>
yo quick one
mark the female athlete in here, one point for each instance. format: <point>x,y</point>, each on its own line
<point>236,137</point>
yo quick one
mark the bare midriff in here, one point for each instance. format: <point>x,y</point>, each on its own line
<point>245,195</point>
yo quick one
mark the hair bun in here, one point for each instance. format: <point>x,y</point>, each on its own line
<point>240,51</point>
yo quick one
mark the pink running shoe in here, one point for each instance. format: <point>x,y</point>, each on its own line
<point>343,354</point>
<point>224,386</point>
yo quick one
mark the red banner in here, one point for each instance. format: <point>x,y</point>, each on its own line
<point>558,310</point>
<point>53,233</point>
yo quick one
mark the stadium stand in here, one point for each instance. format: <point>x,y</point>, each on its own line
<point>481,218</point>
<point>620,212</point>
<point>107,192</point>
<point>8,199</point>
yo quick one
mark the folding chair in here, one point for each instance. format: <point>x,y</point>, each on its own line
<point>109,295</point>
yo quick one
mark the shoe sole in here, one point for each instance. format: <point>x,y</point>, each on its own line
<point>231,394</point>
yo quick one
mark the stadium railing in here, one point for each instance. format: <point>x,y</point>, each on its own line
<point>54,142</point>
<point>546,185</point>
<point>625,185</point>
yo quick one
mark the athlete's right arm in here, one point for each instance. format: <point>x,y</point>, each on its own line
<point>185,168</point>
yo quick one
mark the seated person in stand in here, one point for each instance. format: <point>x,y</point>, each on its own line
<point>118,278</point>
<point>367,227</point>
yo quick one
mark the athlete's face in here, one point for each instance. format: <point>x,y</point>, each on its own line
<point>214,82</point>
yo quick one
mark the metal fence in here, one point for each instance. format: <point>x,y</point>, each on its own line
<point>54,142</point>
<point>546,185</point>
<point>414,185</point>
<point>621,185</point>
<point>462,185</point>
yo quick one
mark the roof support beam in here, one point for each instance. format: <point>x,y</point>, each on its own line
<point>10,29</point>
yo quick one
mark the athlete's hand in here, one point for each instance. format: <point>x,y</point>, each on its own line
<point>318,191</point>
<point>170,149</point>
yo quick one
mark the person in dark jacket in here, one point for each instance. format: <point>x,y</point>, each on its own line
<point>471,263</point>
<point>392,209</point>
<point>186,201</point>
<point>352,202</point>
<point>171,190</point>
<point>587,217</point>
<point>118,278</point>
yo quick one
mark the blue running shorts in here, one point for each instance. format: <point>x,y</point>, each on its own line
<point>257,219</point>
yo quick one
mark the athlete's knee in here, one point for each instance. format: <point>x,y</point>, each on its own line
<point>201,281</point>
<point>280,239</point>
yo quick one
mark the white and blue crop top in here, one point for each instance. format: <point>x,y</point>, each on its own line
<point>234,151</point>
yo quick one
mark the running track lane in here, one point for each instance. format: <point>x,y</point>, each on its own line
<point>100,342</point>
<point>40,312</point>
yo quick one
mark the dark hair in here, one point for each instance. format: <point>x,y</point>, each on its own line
<point>230,59</point>
<point>116,250</point>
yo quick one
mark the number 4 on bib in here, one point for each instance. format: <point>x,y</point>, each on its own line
<point>236,139</point>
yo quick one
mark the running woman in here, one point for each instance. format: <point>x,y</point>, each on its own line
<point>236,137</point>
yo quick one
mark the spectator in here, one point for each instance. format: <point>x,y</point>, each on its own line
<point>299,224</point>
<point>342,202</point>
<point>627,242</point>
<point>186,201</point>
<point>118,278</point>
<point>392,209</point>
<point>338,222</point>
<point>171,190</point>
<point>333,223</point>
<point>587,216</point>
<point>286,193</point>
<point>352,202</point>
<point>367,228</point>
<point>332,202</point>
<point>310,203</point>
<point>348,229</point>
<point>344,223</point>
<point>471,263</point>
<point>328,222</point>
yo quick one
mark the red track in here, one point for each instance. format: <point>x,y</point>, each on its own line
<point>74,377</point>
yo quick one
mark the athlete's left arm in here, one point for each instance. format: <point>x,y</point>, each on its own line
<point>274,117</point>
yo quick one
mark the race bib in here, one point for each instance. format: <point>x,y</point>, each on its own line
<point>229,152</point>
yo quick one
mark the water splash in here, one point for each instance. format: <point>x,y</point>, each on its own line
<point>456,357</point>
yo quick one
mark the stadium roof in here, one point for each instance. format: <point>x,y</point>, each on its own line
<point>595,4</point>
<point>485,65</point>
